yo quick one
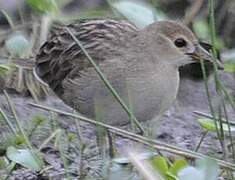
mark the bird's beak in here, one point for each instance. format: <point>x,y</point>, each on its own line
<point>201,54</point>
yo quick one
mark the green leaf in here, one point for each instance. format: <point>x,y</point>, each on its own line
<point>3,163</point>
<point>177,166</point>
<point>4,69</point>
<point>229,66</point>
<point>160,164</point>
<point>209,124</point>
<point>43,6</point>
<point>17,45</point>
<point>25,157</point>
<point>139,13</point>
<point>72,137</point>
<point>39,119</point>
<point>17,140</point>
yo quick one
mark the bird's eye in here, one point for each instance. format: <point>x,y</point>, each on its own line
<point>180,43</point>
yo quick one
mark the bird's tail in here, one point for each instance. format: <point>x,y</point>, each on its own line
<point>20,78</point>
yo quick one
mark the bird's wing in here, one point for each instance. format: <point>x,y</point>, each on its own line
<point>60,57</point>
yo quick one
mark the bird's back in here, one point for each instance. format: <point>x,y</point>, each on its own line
<point>60,57</point>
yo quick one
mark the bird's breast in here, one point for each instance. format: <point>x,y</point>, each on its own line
<point>146,93</point>
<point>153,92</point>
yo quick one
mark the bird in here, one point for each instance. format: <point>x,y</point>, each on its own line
<point>142,65</point>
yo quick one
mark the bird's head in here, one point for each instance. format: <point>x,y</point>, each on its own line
<point>177,43</point>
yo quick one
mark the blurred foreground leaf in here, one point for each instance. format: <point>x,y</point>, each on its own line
<point>202,30</point>
<point>140,14</point>
<point>25,157</point>
<point>17,45</point>
<point>206,169</point>
<point>190,173</point>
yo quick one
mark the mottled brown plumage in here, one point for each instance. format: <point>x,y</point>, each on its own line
<point>142,65</point>
<point>101,38</point>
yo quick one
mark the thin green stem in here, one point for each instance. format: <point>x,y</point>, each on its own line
<point>220,131</point>
<point>201,140</point>
<point>209,99</point>
<point>228,95</point>
<point>8,18</point>
<point>62,154</point>
<point>229,129</point>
